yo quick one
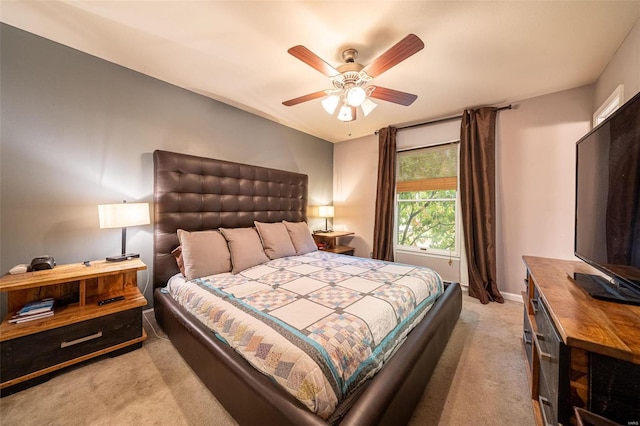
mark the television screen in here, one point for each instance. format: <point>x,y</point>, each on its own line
<point>607,226</point>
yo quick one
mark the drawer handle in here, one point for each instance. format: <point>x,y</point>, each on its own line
<point>524,337</point>
<point>81,340</point>
<point>544,401</point>
<point>546,356</point>
<point>542,355</point>
<point>534,305</point>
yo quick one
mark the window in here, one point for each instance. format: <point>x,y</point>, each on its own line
<point>426,199</point>
<point>609,106</point>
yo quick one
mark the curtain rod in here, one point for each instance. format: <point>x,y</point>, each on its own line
<point>441,120</point>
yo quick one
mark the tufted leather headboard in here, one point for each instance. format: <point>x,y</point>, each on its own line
<point>196,193</point>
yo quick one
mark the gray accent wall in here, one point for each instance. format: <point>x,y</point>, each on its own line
<point>77,131</point>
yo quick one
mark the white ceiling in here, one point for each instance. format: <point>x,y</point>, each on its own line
<point>476,52</point>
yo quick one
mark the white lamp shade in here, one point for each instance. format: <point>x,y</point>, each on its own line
<point>330,103</point>
<point>355,96</point>
<point>325,211</point>
<point>345,113</point>
<point>123,215</point>
<point>367,106</point>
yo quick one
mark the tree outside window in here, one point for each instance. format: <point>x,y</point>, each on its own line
<point>426,198</point>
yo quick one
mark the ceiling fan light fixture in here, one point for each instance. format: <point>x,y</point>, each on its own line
<point>355,96</point>
<point>367,106</point>
<point>330,103</point>
<point>345,113</point>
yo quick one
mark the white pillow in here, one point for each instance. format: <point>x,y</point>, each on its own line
<point>245,248</point>
<point>300,237</point>
<point>275,240</point>
<point>204,253</point>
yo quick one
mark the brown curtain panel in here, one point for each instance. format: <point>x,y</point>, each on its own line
<point>383,229</point>
<point>477,195</point>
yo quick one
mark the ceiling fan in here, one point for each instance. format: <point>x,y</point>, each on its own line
<point>351,80</point>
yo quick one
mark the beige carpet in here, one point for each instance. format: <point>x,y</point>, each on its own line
<point>480,380</point>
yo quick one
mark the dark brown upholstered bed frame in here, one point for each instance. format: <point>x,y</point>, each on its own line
<point>196,193</point>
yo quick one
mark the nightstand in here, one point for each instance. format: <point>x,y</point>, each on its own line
<point>331,241</point>
<point>80,328</point>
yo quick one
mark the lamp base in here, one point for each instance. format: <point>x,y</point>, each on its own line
<point>323,231</point>
<point>122,257</point>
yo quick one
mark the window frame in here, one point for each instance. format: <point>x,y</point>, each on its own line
<point>448,254</point>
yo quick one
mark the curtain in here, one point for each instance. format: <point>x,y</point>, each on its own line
<point>383,229</point>
<point>477,195</point>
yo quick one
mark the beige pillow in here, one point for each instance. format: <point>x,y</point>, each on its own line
<point>300,237</point>
<point>245,247</point>
<point>275,240</point>
<point>204,253</point>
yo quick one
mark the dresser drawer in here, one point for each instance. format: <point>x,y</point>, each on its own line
<point>553,355</point>
<point>527,338</point>
<point>28,354</point>
<point>549,343</point>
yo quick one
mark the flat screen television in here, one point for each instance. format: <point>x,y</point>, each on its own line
<point>607,216</point>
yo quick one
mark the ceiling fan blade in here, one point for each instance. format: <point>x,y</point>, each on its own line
<point>313,60</point>
<point>395,96</point>
<point>399,52</point>
<point>305,98</point>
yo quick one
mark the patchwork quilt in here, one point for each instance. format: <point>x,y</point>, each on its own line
<point>318,324</point>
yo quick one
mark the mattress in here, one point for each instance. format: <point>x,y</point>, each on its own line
<point>319,325</point>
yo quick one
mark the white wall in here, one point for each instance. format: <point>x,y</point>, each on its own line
<point>535,180</point>
<point>355,172</point>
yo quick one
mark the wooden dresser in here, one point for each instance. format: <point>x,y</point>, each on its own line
<point>581,352</point>
<point>80,327</point>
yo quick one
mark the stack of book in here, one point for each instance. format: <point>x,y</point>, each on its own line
<point>34,310</point>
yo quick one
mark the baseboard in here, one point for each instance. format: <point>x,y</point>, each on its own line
<point>512,297</point>
<point>507,296</point>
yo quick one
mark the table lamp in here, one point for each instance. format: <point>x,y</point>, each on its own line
<point>326,212</point>
<point>121,216</point>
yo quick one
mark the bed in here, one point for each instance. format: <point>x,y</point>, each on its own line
<point>198,194</point>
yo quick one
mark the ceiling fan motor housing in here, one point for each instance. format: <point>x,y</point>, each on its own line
<point>349,55</point>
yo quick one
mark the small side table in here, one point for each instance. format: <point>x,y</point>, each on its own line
<point>331,241</point>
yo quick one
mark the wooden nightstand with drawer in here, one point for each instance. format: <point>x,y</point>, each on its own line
<point>328,241</point>
<point>79,329</point>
